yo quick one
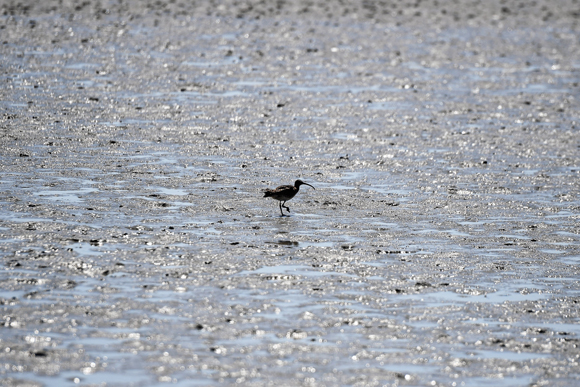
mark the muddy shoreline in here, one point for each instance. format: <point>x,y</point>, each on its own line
<point>440,247</point>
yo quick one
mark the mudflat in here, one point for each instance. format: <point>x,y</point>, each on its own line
<point>440,247</point>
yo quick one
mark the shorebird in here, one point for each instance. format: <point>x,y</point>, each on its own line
<point>285,193</point>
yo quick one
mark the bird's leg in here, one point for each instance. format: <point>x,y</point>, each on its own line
<point>281,208</point>
<point>287,208</point>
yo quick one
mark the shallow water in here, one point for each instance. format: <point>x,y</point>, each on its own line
<point>440,246</point>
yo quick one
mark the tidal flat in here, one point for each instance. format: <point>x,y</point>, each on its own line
<point>441,246</point>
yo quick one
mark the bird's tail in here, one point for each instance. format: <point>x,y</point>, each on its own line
<point>268,193</point>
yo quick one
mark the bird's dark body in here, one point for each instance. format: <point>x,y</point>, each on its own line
<point>284,193</point>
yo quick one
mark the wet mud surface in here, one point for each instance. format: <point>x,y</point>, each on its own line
<point>440,247</point>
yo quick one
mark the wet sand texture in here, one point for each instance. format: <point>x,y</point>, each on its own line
<point>440,247</point>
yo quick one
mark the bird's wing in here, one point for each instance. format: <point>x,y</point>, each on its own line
<point>283,188</point>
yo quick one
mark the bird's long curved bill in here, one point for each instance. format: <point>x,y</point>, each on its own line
<point>308,185</point>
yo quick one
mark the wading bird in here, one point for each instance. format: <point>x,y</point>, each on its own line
<point>285,193</point>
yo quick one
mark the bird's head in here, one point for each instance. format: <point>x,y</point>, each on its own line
<point>298,183</point>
